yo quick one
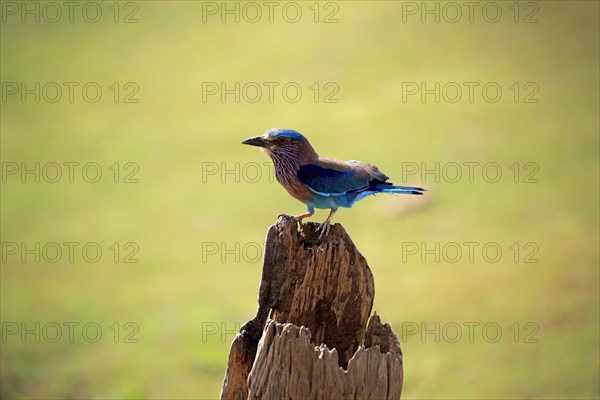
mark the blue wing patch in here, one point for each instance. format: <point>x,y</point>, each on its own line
<point>329,182</point>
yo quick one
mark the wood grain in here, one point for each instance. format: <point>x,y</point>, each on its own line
<point>319,296</point>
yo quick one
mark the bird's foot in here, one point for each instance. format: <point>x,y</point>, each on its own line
<point>287,216</point>
<point>324,228</point>
<point>297,220</point>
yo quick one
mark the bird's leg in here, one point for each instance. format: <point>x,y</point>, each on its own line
<point>300,217</point>
<point>325,226</point>
<point>310,211</point>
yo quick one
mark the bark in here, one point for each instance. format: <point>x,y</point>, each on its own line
<point>319,295</point>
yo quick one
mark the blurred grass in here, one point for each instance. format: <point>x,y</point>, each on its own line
<point>171,294</point>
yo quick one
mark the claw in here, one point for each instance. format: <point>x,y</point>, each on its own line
<point>325,227</point>
<point>286,216</point>
<point>297,220</point>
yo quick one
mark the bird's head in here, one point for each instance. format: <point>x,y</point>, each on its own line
<point>280,143</point>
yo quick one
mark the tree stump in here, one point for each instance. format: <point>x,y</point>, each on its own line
<point>317,345</point>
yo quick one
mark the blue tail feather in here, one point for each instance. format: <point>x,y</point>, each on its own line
<point>383,188</point>
<point>389,188</point>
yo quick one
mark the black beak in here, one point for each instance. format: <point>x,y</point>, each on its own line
<point>256,141</point>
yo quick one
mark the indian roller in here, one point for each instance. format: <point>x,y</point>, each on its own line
<point>321,182</point>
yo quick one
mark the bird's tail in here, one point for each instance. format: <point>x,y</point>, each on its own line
<point>389,188</point>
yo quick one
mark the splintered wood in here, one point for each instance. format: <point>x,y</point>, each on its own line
<point>289,366</point>
<point>316,346</point>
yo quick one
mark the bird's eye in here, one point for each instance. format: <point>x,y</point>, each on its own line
<point>282,140</point>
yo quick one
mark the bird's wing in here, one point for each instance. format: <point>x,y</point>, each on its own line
<point>331,177</point>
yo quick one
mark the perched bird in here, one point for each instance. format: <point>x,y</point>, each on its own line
<point>321,182</point>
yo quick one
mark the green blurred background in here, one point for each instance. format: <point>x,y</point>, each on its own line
<point>189,290</point>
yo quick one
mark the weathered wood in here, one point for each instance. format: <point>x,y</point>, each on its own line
<point>382,336</point>
<point>327,288</point>
<point>241,358</point>
<point>289,366</point>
